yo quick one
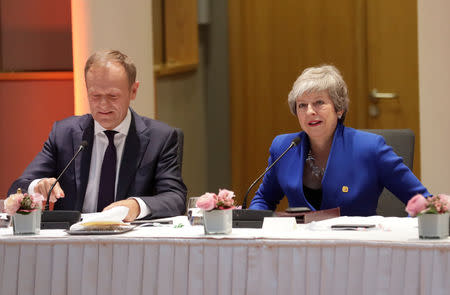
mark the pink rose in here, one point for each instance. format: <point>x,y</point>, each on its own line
<point>12,203</point>
<point>226,194</point>
<point>207,201</point>
<point>417,204</point>
<point>444,203</point>
<point>226,198</point>
<point>36,200</point>
<point>444,199</point>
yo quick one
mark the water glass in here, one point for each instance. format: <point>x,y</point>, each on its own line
<point>5,219</point>
<point>194,214</point>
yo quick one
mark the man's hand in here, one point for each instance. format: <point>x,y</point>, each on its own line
<point>43,186</point>
<point>131,204</point>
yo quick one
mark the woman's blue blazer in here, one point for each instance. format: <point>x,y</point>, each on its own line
<point>359,166</point>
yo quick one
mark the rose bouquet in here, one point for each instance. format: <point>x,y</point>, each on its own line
<point>419,205</point>
<point>217,218</point>
<point>23,203</point>
<point>222,201</point>
<point>433,215</point>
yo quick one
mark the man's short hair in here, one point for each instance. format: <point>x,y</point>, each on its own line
<point>104,57</point>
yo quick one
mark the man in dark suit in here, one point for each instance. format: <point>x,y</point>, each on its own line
<point>129,160</point>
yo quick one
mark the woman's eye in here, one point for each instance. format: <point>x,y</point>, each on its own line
<point>320,102</point>
<point>301,105</point>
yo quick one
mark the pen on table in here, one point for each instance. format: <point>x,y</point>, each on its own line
<point>157,224</point>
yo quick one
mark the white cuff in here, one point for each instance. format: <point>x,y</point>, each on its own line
<point>32,185</point>
<point>145,210</point>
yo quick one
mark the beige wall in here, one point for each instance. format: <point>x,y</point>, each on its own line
<point>198,103</point>
<point>180,101</point>
<point>114,24</point>
<point>434,91</point>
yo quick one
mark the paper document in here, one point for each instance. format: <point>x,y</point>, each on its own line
<point>112,216</point>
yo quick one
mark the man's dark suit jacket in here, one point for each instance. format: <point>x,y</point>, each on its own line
<point>149,168</point>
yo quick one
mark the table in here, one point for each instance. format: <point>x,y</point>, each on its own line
<point>312,259</point>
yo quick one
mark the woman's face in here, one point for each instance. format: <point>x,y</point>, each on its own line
<point>316,114</point>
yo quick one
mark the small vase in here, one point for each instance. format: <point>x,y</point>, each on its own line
<point>28,224</point>
<point>218,221</point>
<point>433,226</point>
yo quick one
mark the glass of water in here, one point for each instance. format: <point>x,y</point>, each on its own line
<point>5,219</point>
<point>194,214</point>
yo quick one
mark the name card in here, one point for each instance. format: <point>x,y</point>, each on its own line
<point>279,224</point>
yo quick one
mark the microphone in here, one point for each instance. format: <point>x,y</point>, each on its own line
<point>294,142</point>
<point>255,218</point>
<point>83,144</point>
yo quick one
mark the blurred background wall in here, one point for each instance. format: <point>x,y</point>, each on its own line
<point>36,84</point>
<point>208,100</point>
<point>434,85</point>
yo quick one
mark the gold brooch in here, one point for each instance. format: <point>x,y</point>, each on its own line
<point>345,189</point>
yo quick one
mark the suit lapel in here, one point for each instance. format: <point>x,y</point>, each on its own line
<point>83,162</point>
<point>337,161</point>
<point>135,145</point>
<point>301,155</point>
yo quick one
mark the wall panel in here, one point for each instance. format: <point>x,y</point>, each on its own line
<point>27,112</point>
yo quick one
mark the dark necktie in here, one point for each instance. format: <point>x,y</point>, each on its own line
<point>108,174</point>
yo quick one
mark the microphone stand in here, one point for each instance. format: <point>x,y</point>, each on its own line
<point>82,146</point>
<point>255,218</point>
<point>60,219</point>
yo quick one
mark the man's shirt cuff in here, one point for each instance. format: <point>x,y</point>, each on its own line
<point>32,185</point>
<point>145,210</point>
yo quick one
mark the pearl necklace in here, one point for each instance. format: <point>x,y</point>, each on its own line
<point>315,170</point>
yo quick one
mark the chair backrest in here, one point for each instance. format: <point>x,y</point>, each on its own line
<point>180,135</point>
<point>402,142</point>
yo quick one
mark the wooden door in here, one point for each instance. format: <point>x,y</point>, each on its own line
<point>271,42</point>
<point>392,67</point>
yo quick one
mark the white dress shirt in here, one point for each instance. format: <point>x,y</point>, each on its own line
<point>98,151</point>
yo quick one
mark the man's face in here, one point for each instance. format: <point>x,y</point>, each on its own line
<point>109,94</point>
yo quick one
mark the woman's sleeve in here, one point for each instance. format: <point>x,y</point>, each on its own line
<point>395,175</point>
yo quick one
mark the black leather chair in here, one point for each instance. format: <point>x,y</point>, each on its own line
<point>402,142</point>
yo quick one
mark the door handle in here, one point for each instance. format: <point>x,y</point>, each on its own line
<point>375,95</point>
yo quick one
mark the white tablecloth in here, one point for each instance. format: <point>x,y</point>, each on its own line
<point>312,259</point>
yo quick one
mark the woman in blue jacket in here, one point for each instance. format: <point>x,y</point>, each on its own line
<point>333,166</point>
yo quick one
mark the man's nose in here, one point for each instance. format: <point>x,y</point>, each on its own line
<point>104,101</point>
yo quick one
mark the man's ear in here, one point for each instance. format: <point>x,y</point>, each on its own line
<point>133,90</point>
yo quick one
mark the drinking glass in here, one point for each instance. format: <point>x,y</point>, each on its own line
<point>194,214</point>
<point>5,219</point>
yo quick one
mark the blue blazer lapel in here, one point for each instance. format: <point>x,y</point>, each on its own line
<point>135,146</point>
<point>83,162</point>
<point>290,169</point>
<point>337,162</point>
<point>301,153</point>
